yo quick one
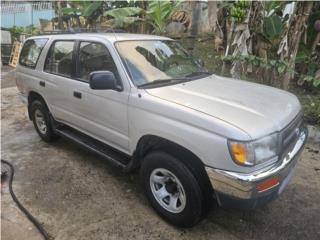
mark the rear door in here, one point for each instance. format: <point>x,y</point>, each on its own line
<point>59,71</point>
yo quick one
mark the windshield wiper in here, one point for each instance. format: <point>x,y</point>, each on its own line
<point>200,73</point>
<point>163,82</point>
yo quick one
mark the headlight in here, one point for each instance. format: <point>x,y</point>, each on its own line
<point>255,152</point>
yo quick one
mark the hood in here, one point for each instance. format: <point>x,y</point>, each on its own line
<point>254,108</point>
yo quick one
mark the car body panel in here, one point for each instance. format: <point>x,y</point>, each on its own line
<point>150,115</point>
<point>250,107</point>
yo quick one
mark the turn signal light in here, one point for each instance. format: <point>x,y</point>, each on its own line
<point>239,152</point>
<point>267,184</point>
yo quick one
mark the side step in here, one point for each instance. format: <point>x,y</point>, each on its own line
<point>109,153</point>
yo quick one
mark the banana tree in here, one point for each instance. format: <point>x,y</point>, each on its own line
<point>90,11</point>
<point>71,14</point>
<point>159,13</point>
<point>122,17</point>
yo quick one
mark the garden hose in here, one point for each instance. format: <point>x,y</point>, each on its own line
<point>21,207</point>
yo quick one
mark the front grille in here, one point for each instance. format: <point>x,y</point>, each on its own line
<point>290,134</point>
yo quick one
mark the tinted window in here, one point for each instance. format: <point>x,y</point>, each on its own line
<point>59,59</point>
<point>31,51</point>
<point>95,57</point>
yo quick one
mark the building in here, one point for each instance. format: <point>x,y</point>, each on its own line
<point>23,13</point>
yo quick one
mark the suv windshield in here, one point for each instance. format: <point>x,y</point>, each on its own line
<point>153,63</point>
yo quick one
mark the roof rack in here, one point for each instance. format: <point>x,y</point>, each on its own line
<point>83,30</point>
<point>53,33</point>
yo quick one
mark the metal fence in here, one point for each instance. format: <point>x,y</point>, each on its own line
<point>21,7</point>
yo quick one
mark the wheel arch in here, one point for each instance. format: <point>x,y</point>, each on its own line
<point>148,143</point>
<point>32,96</point>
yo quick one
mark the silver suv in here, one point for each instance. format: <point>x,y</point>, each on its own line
<point>143,102</point>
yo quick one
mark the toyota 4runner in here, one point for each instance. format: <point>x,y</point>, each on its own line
<point>143,102</point>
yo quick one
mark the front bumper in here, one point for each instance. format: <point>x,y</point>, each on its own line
<point>239,190</point>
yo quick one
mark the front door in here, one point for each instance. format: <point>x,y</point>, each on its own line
<point>102,113</point>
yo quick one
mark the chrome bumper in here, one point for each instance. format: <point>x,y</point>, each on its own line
<point>232,188</point>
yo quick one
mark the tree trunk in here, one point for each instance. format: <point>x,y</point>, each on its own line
<point>78,22</point>
<point>195,19</point>
<point>256,29</point>
<point>315,43</point>
<point>295,32</point>
<point>212,15</point>
<point>57,12</point>
<point>203,16</point>
<point>229,27</point>
<point>260,47</point>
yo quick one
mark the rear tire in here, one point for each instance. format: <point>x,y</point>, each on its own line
<point>164,179</point>
<point>41,121</point>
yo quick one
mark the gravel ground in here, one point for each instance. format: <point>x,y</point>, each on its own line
<point>7,76</point>
<point>77,195</point>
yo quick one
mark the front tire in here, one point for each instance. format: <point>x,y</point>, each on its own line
<point>41,121</point>
<point>172,189</point>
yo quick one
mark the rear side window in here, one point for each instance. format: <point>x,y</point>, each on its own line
<point>59,58</point>
<point>31,51</point>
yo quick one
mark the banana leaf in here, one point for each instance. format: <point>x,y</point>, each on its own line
<point>71,11</point>
<point>123,16</point>
<point>159,12</point>
<point>123,12</point>
<point>92,8</point>
<point>273,26</point>
<point>122,22</point>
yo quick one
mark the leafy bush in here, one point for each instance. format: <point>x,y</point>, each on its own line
<point>311,107</point>
<point>16,31</point>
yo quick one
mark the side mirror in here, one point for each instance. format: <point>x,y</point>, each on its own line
<point>103,80</point>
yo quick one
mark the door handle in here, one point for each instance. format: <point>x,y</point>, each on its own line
<point>77,94</point>
<point>42,83</point>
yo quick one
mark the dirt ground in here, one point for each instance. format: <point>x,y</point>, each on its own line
<point>77,195</point>
<point>7,76</point>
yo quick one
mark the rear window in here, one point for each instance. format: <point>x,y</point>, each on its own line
<point>31,51</point>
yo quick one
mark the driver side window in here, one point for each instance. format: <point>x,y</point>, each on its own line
<point>95,57</point>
